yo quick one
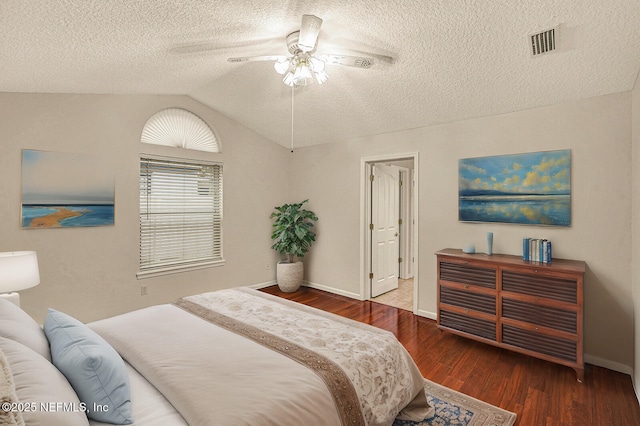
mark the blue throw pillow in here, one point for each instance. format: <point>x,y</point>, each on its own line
<point>93,368</point>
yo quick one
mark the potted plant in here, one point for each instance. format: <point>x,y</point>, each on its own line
<point>292,236</point>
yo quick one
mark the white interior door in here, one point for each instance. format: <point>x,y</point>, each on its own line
<point>385,210</point>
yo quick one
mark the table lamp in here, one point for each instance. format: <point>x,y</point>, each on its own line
<point>18,271</point>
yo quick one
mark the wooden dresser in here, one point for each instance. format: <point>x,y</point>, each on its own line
<point>528,307</point>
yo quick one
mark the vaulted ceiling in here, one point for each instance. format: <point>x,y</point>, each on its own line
<point>451,59</point>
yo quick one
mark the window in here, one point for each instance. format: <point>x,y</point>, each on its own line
<point>180,215</point>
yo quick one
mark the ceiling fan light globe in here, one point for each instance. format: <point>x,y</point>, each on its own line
<point>288,79</point>
<point>317,65</point>
<point>321,77</point>
<point>282,65</point>
<point>302,76</point>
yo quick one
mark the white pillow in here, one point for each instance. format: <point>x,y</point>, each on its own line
<point>39,382</point>
<point>16,324</point>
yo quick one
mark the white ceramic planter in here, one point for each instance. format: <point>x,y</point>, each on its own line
<point>289,276</point>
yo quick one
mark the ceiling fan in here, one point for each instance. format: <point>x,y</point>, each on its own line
<point>304,67</point>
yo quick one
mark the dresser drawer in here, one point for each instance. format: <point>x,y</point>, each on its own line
<point>545,316</point>
<point>561,289</point>
<point>465,273</point>
<point>468,300</point>
<point>553,346</point>
<point>475,326</point>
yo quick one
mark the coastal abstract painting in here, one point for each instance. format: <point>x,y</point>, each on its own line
<point>532,188</point>
<point>65,190</point>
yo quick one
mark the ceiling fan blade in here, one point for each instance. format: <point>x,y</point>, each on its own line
<point>309,31</point>
<point>257,58</point>
<point>206,44</point>
<point>350,61</point>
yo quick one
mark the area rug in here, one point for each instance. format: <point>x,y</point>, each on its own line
<point>457,409</point>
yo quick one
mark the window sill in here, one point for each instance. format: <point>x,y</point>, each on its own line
<point>177,269</point>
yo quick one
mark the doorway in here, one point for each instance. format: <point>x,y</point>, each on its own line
<point>389,230</point>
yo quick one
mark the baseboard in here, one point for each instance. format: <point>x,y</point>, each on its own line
<point>312,285</point>
<point>422,313</point>
<point>333,290</point>
<point>608,364</point>
<point>263,285</point>
<point>635,388</point>
<point>427,314</point>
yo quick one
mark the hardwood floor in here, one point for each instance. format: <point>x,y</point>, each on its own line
<point>539,392</point>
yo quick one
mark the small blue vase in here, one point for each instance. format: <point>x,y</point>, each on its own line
<point>489,243</point>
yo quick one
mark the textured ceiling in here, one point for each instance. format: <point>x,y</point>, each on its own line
<point>452,59</point>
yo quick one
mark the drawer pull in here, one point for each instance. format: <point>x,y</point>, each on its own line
<point>466,286</point>
<point>535,271</point>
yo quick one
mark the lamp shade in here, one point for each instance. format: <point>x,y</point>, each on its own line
<point>18,271</point>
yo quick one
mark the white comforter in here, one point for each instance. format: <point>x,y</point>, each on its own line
<point>214,376</point>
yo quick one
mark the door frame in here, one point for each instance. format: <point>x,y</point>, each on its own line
<point>365,220</point>
<point>405,269</point>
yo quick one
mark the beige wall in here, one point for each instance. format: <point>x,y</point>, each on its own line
<point>598,133</point>
<point>636,229</point>
<point>91,272</point>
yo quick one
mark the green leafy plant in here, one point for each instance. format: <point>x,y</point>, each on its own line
<point>292,232</point>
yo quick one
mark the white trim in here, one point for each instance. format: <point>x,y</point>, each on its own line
<point>365,219</point>
<point>264,285</point>
<point>333,290</point>
<point>365,171</point>
<point>312,285</point>
<point>177,269</point>
<point>610,365</point>
<point>406,209</point>
<point>427,314</point>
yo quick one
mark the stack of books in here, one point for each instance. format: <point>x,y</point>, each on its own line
<point>536,250</point>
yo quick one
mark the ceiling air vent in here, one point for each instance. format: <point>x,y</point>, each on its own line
<point>544,41</point>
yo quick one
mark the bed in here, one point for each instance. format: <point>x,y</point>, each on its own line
<point>231,357</point>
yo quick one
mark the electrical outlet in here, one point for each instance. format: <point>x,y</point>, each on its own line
<point>143,290</point>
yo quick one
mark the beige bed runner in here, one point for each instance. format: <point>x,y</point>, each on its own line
<point>385,378</point>
<point>338,383</point>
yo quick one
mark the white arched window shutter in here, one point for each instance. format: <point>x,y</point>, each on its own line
<point>180,128</point>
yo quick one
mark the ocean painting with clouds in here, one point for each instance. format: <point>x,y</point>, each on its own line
<point>62,190</point>
<point>532,188</point>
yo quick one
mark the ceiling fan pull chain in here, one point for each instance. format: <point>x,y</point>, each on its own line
<point>293,90</point>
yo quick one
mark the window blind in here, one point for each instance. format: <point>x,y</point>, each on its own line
<point>180,214</point>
